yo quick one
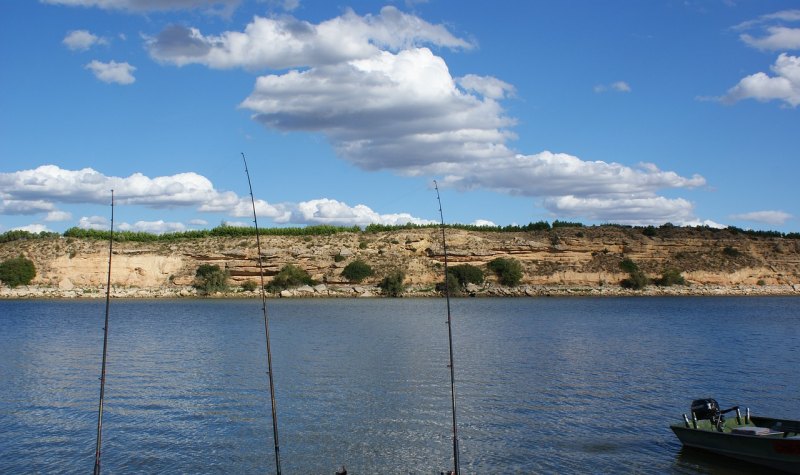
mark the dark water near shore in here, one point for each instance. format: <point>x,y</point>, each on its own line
<point>574,385</point>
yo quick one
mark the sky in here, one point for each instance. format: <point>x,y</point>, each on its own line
<point>625,111</point>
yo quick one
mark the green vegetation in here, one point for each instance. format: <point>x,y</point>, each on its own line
<point>453,285</point>
<point>18,235</point>
<point>288,277</point>
<point>649,231</point>
<point>219,231</point>
<point>508,271</point>
<point>249,285</point>
<point>636,280</point>
<point>338,258</point>
<point>357,271</point>
<point>466,274</point>
<point>670,276</point>
<point>209,278</point>
<point>17,271</point>
<point>392,284</point>
<point>566,224</point>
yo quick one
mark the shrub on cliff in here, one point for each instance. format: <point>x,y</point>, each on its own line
<point>209,278</point>
<point>392,284</point>
<point>453,286</point>
<point>670,276</point>
<point>508,271</point>
<point>466,274</point>
<point>288,277</point>
<point>357,271</point>
<point>636,279</point>
<point>17,271</point>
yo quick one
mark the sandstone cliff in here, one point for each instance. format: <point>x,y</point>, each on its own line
<point>562,258</point>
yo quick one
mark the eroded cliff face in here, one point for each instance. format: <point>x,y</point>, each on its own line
<point>560,257</point>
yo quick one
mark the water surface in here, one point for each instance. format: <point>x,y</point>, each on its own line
<point>546,385</point>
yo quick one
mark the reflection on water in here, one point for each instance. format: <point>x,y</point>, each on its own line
<point>580,385</point>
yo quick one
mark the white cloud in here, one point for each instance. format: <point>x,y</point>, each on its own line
<point>328,211</point>
<point>285,42</point>
<point>483,222</point>
<point>653,210</point>
<point>58,216</point>
<point>771,32</point>
<point>82,40</point>
<point>618,86</point>
<point>392,111</point>
<point>198,222</point>
<point>778,38</point>
<point>35,191</point>
<point>33,228</point>
<point>560,174</point>
<point>775,218</point>
<point>112,72</point>
<point>94,222</point>
<point>784,86</point>
<point>23,206</point>
<point>386,102</point>
<point>221,6</point>
<point>155,227</point>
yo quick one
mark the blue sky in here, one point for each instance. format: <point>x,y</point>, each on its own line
<point>625,111</point>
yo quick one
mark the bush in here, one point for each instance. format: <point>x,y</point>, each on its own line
<point>288,277</point>
<point>508,271</point>
<point>392,284</point>
<point>249,286</point>
<point>209,278</point>
<point>338,258</point>
<point>671,276</point>
<point>17,271</point>
<point>466,274</point>
<point>636,280</point>
<point>453,285</point>
<point>357,271</point>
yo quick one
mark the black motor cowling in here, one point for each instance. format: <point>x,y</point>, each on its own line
<point>706,409</point>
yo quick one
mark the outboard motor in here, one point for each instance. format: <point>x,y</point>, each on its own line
<point>707,409</point>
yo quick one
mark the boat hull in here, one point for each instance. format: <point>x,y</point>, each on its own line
<point>774,451</point>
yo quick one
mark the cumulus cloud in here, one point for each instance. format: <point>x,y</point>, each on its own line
<point>328,211</point>
<point>639,210</point>
<point>58,216</point>
<point>391,111</point>
<point>618,86</point>
<point>37,190</point>
<point>373,86</point>
<point>775,218</point>
<point>155,227</point>
<point>483,222</point>
<point>783,86</point>
<point>221,6</point>
<point>285,42</point>
<point>98,223</point>
<point>112,72</point>
<point>82,40</point>
<point>769,32</point>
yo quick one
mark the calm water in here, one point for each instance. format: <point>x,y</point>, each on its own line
<point>578,385</point>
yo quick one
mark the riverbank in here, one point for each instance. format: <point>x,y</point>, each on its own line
<point>357,291</point>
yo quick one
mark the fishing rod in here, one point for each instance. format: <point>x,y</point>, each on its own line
<point>266,326</point>
<point>456,465</point>
<point>105,347</point>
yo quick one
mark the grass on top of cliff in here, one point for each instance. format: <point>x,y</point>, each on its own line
<point>666,230</point>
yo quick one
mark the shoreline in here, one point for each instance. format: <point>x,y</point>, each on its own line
<point>322,291</point>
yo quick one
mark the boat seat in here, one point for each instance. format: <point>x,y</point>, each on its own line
<point>759,431</point>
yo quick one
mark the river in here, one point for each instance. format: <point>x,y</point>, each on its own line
<point>544,385</point>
